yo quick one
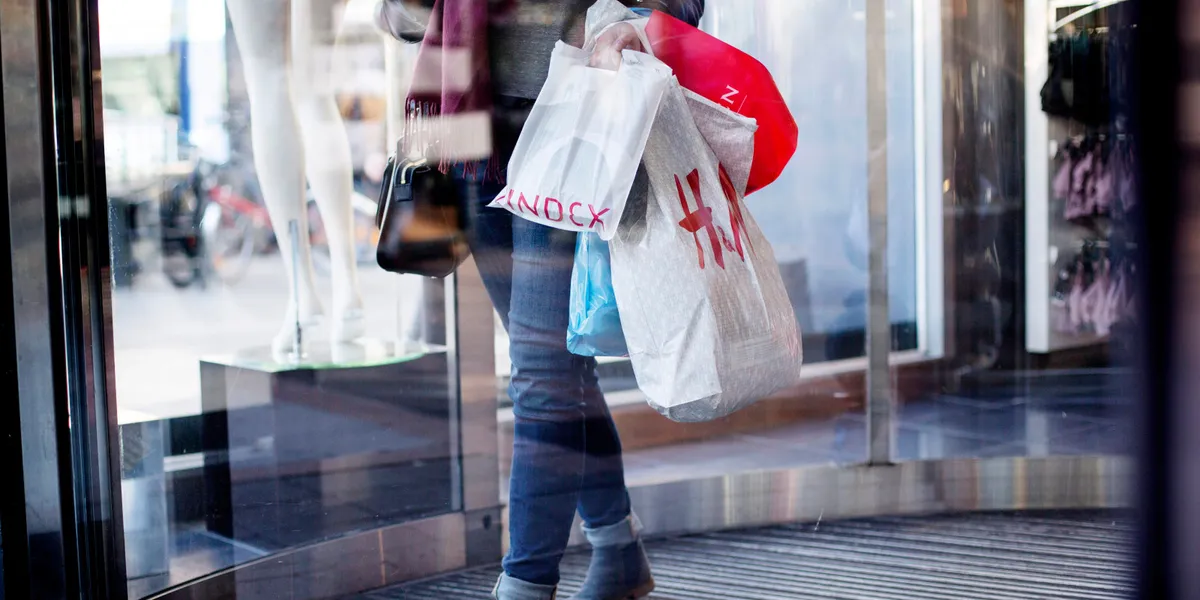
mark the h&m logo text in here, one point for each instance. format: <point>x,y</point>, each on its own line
<point>702,219</point>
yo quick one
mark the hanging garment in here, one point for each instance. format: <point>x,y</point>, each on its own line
<point>1078,85</point>
<point>1061,186</point>
<point>1081,179</point>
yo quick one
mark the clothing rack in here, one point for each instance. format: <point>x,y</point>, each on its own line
<point>1048,236</point>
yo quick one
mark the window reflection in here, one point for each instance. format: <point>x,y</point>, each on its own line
<point>270,389</point>
<point>815,215</point>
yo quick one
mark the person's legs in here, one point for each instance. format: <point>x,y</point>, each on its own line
<point>527,268</point>
<point>604,500</point>
<point>491,239</point>
<point>566,453</point>
<point>548,404</point>
<point>619,567</point>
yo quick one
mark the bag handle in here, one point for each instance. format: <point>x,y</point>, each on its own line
<point>397,184</point>
<point>385,191</point>
<point>605,14</point>
<point>639,26</point>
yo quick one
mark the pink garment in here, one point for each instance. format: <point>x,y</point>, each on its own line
<point>1062,180</point>
<point>1103,192</point>
<point>1081,175</point>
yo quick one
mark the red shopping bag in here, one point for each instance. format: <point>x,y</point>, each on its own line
<point>734,79</point>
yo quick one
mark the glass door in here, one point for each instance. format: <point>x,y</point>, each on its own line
<point>248,407</point>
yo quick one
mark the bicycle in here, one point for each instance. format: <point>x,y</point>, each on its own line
<point>212,226</point>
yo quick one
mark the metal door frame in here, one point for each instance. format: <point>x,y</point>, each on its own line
<point>60,429</point>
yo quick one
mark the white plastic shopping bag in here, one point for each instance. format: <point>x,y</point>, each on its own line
<point>579,151</point>
<point>706,316</point>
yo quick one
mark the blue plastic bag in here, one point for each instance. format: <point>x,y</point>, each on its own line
<point>595,327</point>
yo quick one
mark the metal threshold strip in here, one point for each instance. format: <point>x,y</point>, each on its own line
<point>1071,555</point>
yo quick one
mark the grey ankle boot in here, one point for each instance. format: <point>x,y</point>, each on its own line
<point>619,569</point>
<point>511,588</point>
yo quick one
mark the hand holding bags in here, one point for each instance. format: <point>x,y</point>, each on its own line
<point>575,161</point>
<point>706,316</point>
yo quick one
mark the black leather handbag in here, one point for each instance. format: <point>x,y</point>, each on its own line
<point>421,220</point>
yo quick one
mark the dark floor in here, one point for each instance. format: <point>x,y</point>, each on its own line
<point>1009,556</point>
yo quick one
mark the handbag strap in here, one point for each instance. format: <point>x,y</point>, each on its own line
<point>397,184</point>
<point>385,192</point>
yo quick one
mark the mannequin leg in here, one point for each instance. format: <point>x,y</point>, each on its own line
<point>328,164</point>
<point>261,28</point>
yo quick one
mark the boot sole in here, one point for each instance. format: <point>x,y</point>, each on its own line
<point>641,593</point>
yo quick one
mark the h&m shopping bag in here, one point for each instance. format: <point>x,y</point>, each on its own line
<point>578,153</point>
<point>707,319</point>
<point>595,325</point>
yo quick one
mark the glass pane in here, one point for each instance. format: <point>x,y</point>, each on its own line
<point>965,377</point>
<point>1040,250</point>
<point>815,214</point>
<point>270,387</point>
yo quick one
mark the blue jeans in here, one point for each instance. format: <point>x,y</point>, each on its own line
<point>566,453</point>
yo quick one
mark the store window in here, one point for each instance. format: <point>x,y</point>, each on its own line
<point>243,137</point>
<point>816,214</point>
<point>268,393</point>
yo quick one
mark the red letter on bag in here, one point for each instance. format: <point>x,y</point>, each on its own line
<point>510,195</point>
<point>596,216</point>
<point>701,217</point>
<point>736,221</point>
<point>577,223</point>
<point>546,207</point>
<point>522,205</point>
